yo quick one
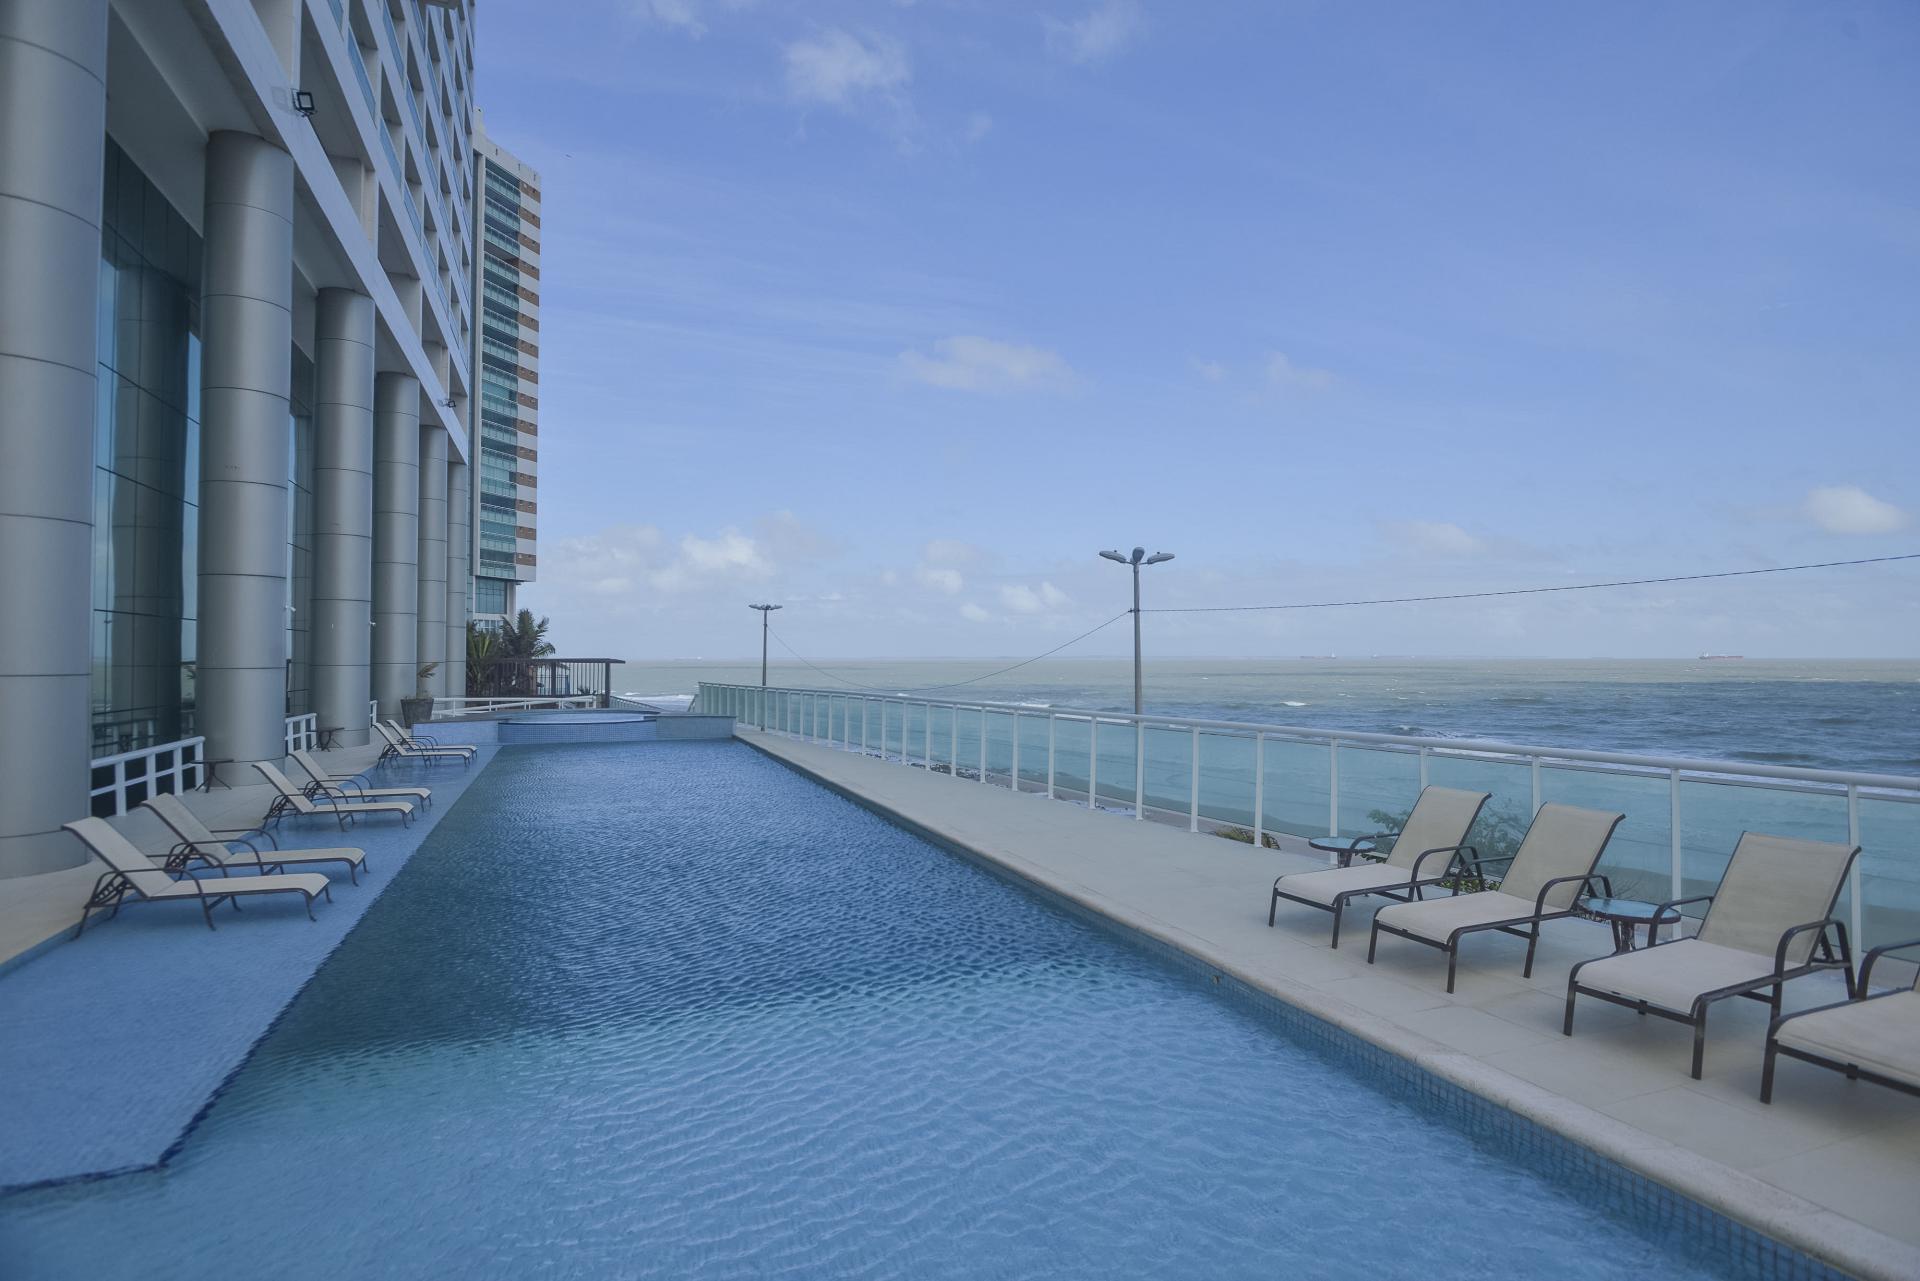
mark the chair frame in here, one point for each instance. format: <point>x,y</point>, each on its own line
<point>401,747</point>
<point>185,851</point>
<point>354,787</point>
<point>1696,1017</point>
<point>1509,926</point>
<point>1857,993</point>
<point>113,886</point>
<point>335,803</point>
<point>1407,891</point>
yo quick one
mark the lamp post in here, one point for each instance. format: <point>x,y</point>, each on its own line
<point>1136,560</point>
<point>766,612</point>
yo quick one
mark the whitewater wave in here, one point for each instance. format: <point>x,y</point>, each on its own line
<point>1285,702</point>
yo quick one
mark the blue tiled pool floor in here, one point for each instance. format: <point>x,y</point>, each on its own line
<point>683,1013</point>
<point>111,1045</point>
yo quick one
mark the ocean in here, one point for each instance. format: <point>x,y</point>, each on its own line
<point>1829,714</point>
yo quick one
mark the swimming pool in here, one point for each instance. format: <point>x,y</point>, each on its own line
<point>680,1012</point>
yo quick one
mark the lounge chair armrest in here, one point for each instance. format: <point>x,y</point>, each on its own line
<point>1452,850</point>
<point>1874,954</point>
<point>1586,879</point>
<point>1683,902</point>
<point>246,834</point>
<point>1794,931</point>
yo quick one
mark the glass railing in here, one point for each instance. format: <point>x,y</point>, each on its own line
<point>359,62</point>
<point>1252,782</point>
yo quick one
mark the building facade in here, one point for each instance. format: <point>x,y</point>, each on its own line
<point>236,361</point>
<point>506,361</point>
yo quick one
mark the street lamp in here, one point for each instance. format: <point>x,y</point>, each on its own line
<point>766,612</point>
<point>1136,560</point>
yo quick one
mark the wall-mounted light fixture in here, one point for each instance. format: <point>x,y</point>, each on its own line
<point>303,101</point>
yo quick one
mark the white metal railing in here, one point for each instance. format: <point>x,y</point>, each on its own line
<point>302,732</point>
<point>123,780</point>
<point>452,707</point>
<point>1684,815</point>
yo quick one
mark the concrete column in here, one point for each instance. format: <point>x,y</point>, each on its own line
<point>459,573</point>
<point>343,513</point>
<point>53,127</point>
<point>246,363</point>
<point>396,538</point>
<point>432,613</point>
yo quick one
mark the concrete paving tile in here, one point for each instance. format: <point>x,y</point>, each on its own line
<point>1716,1128</point>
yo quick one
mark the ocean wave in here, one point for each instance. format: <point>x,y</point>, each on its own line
<point>1290,703</point>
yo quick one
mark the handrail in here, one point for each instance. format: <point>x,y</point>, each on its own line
<point>1686,765</point>
<point>180,762</point>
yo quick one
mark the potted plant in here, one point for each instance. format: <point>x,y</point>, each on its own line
<point>419,709</point>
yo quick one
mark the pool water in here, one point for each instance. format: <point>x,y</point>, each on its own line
<point>676,1011</point>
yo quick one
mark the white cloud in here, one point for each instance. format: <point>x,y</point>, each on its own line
<point>971,363</point>
<point>950,551</point>
<point>1097,34</point>
<point>1021,599</point>
<point>838,68</point>
<point>1436,538</point>
<point>1848,509</point>
<point>1211,370</point>
<point>979,125</point>
<point>1283,372</point>
<point>683,15</point>
<point>941,580</point>
<point>625,559</point>
<point>974,614</point>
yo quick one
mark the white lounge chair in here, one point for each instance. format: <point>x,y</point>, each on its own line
<point>1870,1035</point>
<point>291,800</point>
<point>200,843</point>
<point>1422,852</point>
<point>407,735</point>
<point>1544,877</point>
<point>352,787</point>
<point>1772,913</point>
<point>132,872</point>
<point>404,748</point>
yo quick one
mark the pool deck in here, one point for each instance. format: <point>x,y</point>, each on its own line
<point>114,1044</point>
<point>1831,1167</point>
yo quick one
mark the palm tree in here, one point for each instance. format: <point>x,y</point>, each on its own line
<point>525,638</point>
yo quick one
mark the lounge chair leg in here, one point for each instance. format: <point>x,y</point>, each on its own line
<point>1373,941</point>
<point>1766,1071</point>
<point>1533,941</point>
<point>1453,959</point>
<point>1699,1040</point>
<point>1339,905</point>
<point>1566,1026</point>
<point>1273,907</point>
<point>310,915</point>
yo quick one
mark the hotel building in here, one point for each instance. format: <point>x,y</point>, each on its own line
<point>506,361</point>
<point>237,350</point>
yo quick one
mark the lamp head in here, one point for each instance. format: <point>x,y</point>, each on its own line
<point>1138,554</point>
<point>1157,557</point>
<point>1115,556</point>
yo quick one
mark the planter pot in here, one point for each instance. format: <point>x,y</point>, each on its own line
<point>416,710</point>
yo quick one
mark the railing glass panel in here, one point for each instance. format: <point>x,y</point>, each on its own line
<point>1377,787</point>
<point>1226,779</point>
<point>1714,814</point>
<point>1639,859</point>
<point>1167,773</point>
<point>1889,871</point>
<point>1033,752</point>
<point>1118,749</point>
<point>1297,779</point>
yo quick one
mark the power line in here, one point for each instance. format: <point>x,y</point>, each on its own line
<point>1530,591</point>
<point>927,689</point>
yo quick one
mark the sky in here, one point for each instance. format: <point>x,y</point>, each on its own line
<point>896,312</point>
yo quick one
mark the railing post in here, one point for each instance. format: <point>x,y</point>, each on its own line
<point>1139,770</point>
<point>1259,790</point>
<point>953,742</point>
<point>1333,787</point>
<point>1423,771</point>
<point>1536,784</point>
<point>1050,723</point>
<point>863,724</point>
<point>1016,751</point>
<point>926,745</point>
<point>983,744</point>
<point>1856,935</point>
<point>1193,790</point>
<point>1673,823</point>
<point>1093,762</point>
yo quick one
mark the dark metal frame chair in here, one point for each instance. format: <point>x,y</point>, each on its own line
<point>1858,993</point>
<point>1821,956</point>
<point>186,851</point>
<point>116,883</point>
<point>1475,869</point>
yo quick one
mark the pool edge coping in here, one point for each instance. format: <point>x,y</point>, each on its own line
<point>1824,1236</point>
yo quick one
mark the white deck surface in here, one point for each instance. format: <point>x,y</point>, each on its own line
<point>1831,1167</point>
